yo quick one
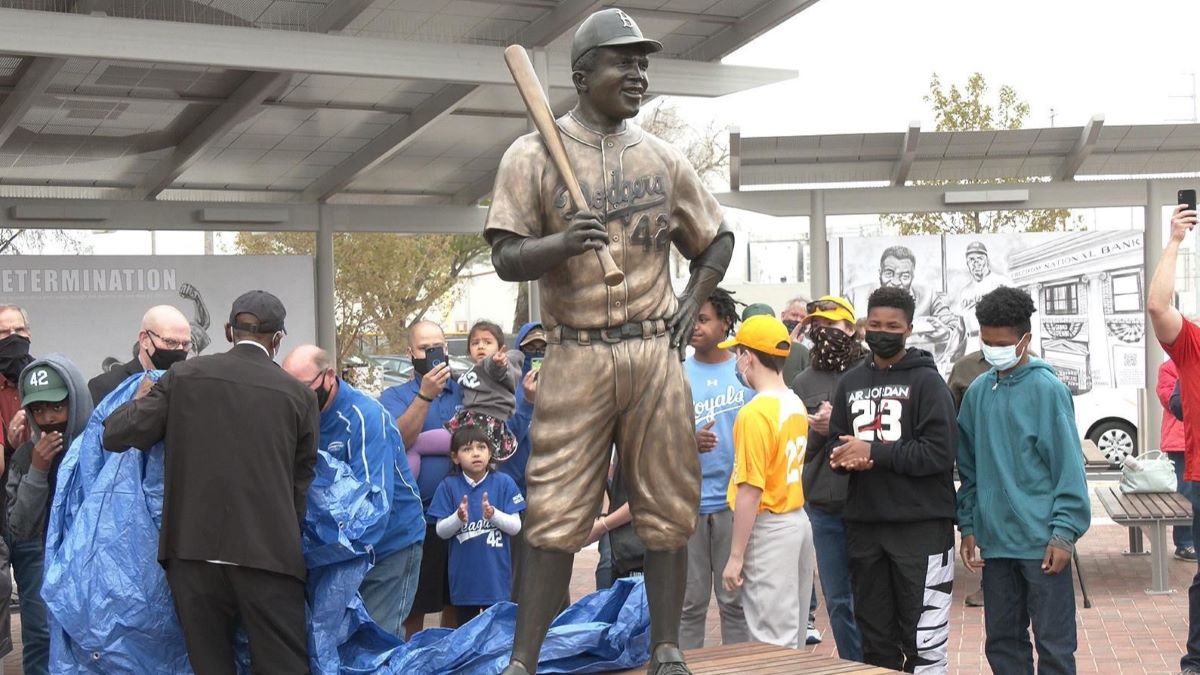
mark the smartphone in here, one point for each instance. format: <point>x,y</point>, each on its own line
<point>536,362</point>
<point>1188,198</point>
<point>435,356</point>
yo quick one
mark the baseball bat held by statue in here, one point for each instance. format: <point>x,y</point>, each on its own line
<point>543,118</point>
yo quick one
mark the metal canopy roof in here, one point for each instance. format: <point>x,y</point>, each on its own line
<point>352,101</point>
<point>1058,154</point>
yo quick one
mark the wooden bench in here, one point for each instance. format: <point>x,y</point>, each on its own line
<point>1154,512</point>
<point>761,659</point>
<point>1092,457</point>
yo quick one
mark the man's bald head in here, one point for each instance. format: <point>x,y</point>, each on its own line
<point>306,362</point>
<point>164,329</point>
<point>313,367</point>
<point>422,335</point>
<point>167,321</point>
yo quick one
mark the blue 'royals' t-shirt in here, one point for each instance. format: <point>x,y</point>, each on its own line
<point>716,394</point>
<point>480,554</point>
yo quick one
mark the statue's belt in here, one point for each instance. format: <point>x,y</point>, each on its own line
<point>635,330</point>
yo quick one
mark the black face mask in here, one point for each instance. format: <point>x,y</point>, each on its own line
<point>885,345</point>
<point>323,393</point>
<point>420,367</point>
<point>790,325</point>
<point>61,428</point>
<point>833,349</point>
<point>14,356</point>
<point>165,358</point>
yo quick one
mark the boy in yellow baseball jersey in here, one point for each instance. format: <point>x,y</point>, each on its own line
<point>772,556</point>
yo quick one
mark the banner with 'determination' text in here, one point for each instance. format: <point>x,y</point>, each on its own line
<point>90,307</point>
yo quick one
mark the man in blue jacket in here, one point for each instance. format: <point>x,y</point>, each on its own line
<point>1023,500</point>
<point>357,430</point>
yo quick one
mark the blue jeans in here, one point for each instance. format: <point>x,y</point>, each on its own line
<point>389,588</point>
<point>28,559</point>
<point>833,566</point>
<point>1017,593</point>
<point>1182,536</point>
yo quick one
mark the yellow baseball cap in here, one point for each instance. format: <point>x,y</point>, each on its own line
<point>762,333</point>
<point>831,307</point>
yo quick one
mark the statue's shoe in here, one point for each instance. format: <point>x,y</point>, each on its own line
<point>667,660</point>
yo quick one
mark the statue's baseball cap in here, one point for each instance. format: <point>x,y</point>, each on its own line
<point>761,333</point>
<point>831,307</point>
<point>609,28</point>
<point>42,384</point>
<point>264,306</point>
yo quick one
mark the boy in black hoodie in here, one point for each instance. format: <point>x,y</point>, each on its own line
<point>893,428</point>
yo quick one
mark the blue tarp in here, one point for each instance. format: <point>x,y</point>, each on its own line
<point>111,610</point>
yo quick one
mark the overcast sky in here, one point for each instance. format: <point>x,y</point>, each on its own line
<point>865,64</point>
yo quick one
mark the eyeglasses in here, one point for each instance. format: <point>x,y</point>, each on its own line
<point>42,407</point>
<point>19,330</point>
<point>171,343</point>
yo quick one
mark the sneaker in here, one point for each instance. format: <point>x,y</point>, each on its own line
<point>1187,553</point>
<point>813,636</point>
<point>974,599</point>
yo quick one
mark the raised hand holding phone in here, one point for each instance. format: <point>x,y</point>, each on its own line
<point>1183,219</point>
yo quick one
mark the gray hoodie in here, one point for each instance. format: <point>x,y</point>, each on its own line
<point>30,490</point>
<point>490,388</point>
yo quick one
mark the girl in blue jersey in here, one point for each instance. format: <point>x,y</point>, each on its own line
<point>476,509</point>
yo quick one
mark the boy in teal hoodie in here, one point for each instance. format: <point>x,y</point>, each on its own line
<point>1023,500</point>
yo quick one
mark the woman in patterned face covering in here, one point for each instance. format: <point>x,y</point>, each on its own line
<point>836,348</point>
<point>831,328</point>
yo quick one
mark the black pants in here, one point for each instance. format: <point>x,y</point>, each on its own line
<point>210,599</point>
<point>464,613</point>
<point>902,575</point>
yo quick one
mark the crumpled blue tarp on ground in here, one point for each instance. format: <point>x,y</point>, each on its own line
<point>111,610</point>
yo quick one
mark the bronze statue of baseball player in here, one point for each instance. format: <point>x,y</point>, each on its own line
<point>612,372</point>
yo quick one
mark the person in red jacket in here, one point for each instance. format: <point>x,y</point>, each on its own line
<point>1181,339</point>
<point>1173,445</point>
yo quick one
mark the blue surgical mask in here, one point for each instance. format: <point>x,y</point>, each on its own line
<point>1003,358</point>
<point>738,373</point>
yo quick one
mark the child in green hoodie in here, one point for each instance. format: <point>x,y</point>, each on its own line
<point>1023,500</point>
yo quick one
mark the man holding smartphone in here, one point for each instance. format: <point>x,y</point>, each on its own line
<point>1181,339</point>
<point>422,407</point>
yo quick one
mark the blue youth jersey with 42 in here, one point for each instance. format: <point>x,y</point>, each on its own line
<point>480,554</point>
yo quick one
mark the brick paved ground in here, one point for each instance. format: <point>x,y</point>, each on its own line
<point>1126,631</point>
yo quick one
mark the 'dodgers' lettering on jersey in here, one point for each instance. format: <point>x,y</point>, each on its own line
<point>621,192</point>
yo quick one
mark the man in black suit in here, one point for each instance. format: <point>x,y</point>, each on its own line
<point>241,438</point>
<point>165,338</point>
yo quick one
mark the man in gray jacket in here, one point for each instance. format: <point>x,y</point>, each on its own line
<point>55,406</point>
